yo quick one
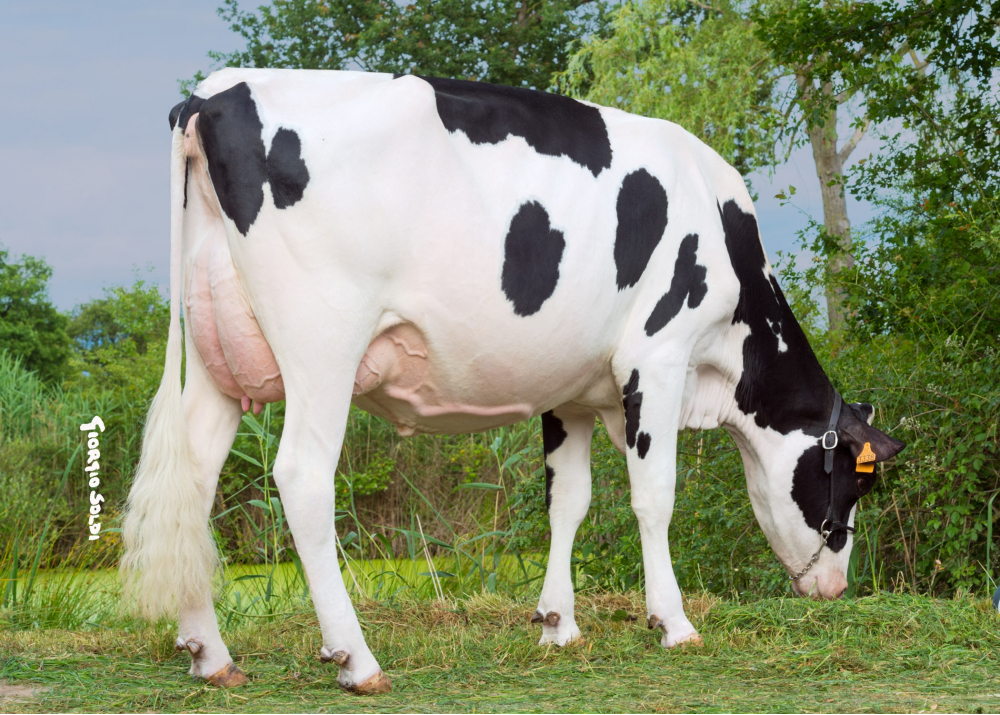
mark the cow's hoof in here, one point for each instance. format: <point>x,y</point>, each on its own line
<point>559,631</point>
<point>228,677</point>
<point>562,637</point>
<point>690,640</point>
<point>375,685</point>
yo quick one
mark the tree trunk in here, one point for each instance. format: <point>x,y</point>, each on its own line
<point>829,170</point>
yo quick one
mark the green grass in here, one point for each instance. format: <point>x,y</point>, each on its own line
<point>882,653</point>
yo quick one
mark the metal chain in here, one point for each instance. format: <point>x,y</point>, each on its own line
<point>815,557</point>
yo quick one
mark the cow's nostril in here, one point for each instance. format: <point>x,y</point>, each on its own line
<point>841,594</point>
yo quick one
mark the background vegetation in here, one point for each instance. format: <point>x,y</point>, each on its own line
<point>903,312</point>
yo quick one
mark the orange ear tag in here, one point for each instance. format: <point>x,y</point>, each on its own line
<point>866,460</point>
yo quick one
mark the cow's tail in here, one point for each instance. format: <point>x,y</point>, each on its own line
<point>170,555</point>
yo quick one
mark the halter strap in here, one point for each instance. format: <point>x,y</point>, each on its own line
<point>838,402</point>
<point>830,524</point>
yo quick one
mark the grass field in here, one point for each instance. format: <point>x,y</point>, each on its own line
<point>882,653</point>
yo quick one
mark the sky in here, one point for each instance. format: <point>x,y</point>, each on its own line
<point>84,139</point>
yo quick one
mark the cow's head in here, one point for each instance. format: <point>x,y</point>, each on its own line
<point>799,504</point>
<point>786,419</point>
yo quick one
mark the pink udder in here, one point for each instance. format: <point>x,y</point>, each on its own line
<point>225,331</point>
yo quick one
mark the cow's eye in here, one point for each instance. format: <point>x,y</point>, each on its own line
<point>864,486</point>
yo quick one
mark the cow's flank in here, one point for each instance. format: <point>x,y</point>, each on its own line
<point>642,218</point>
<point>688,283</point>
<point>553,435</point>
<point>551,124</point>
<point>632,402</point>
<point>232,135</point>
<point>532,251</point>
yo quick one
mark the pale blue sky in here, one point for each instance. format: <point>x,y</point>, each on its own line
<point>84,140</point>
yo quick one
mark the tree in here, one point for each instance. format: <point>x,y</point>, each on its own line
<point>120,339</point>
<point>701,67</point>
<point>511,42</point>
<point>30,326</point>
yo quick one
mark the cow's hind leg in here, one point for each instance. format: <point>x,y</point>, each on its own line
<point>566,435</point>
<point>212,419</point>
<point>315,421</point>
<point>652,393</point>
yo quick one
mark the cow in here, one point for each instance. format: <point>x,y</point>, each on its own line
<point>456,256</point>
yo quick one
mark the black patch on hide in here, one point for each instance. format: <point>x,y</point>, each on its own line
<point>181,113</point>
<point>286,171</point>
<point>688,283</point>
<point>632,401</point>
<point>813,498</point>
<point>553,435</point>
<point>551,124</point>
<point>642,218</point>
<point>231,134</point>
<point>785,390</point>
<point>532,251</point>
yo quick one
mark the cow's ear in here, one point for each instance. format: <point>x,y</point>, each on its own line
<point>865,409</point>
<point>867,444</point>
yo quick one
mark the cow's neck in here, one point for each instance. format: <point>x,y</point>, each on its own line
<point>776,388</point>
<point>779,384</point>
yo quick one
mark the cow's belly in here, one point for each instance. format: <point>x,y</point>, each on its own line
<point>422,390</point>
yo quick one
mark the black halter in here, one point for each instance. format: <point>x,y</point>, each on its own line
<point>830,524</point>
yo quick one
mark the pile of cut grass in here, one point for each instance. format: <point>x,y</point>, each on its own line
<point>886,653</point>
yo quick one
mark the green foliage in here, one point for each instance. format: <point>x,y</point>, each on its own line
<point>930,503</point>
<point>120,340</point>
<point>22,394</point>
<point>872,49</point>
<point>501,41</point>
<point>30,326</point>
<point>705,70</point>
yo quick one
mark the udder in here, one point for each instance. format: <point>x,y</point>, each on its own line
<point>397,380</point>
<point>225,330</point>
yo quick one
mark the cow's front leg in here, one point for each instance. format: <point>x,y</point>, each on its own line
<point>566,436</point>
<point>212,419</point>
<point>652,402</point>
<point>315,422</point>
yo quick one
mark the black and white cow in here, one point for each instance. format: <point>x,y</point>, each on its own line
<point>453,257</point>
